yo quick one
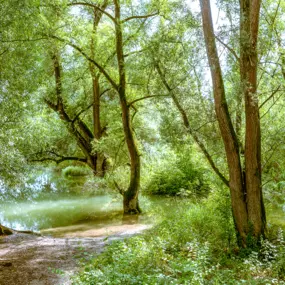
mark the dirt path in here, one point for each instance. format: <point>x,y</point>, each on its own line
<point>41,260</point>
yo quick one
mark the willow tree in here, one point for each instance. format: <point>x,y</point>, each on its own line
<point>245,184</point>
<point>116,76</point>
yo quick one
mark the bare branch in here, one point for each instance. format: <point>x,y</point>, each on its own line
<point>3,52</point>
<point>229,48</point>
<point>271,106</point>
<point>134,52</point>
<point>23,40</point>
<point>58,161</point>
<point>273,93</point>
<point>103,92</point>
<point>121,191</point>
<point>140,17</point>
<point>82,111</point>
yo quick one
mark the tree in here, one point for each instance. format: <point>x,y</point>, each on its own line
<point>130,195</point>
<point>245,184</point>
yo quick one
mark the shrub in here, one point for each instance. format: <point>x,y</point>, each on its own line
<point>75,171</point>
<point>191,246</point>
<point>178,177</point>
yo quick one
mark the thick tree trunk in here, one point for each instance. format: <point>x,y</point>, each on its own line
<point>249,22</point>
<point>131,204</point>
<point>246,195</point>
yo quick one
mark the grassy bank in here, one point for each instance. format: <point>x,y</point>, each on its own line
<point>194,245</point>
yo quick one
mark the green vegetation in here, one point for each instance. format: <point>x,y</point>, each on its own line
<point>174,98</point>
<point>195,244</point>
<point>178,176</point>
<point>73,171</point>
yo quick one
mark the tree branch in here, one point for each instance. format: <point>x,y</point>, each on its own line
<point>55,157</point>
<point>271,106</point>
<point>3,52</point>
<point>140,17</point>
<point>147,97</point>
<point>188,127</point>
<point>121,191</point>
<point>93,6</point>
<point>103,92</point>
<point>58,161</point>
<point>273,93</point>
<point>82,111</point>
<point>80,50</point>
<point>229,48</point>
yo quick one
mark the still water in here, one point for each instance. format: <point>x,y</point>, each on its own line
<point>62,215</point>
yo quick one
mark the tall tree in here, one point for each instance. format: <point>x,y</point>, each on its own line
<point>245,185</point>
<point>85,136</point>
<point>119,84</point>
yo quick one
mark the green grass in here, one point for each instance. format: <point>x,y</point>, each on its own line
<point>195,244</point>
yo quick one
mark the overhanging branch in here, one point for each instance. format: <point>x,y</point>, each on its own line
<point>55,157</point>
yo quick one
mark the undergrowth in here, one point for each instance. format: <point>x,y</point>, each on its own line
<point>194,245</point>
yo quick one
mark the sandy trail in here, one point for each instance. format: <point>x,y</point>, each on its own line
<point>42,260</point>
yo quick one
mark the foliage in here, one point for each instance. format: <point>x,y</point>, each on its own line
<point>177,175</point>
<point>194,245</point>
<point>73,171</point>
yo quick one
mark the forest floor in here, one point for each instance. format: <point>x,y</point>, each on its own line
<point>27,259</point>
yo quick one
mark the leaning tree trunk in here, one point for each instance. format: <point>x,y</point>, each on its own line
<point>131,204</point>
<point>5,231</point>
<point>246,198</point>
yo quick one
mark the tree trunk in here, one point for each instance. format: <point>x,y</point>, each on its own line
<point>247,205</point>
<point>131,204</point>
<point>100,163</point>
<point>77,127</point>
<point>5,231</point>
<point>249,22</point>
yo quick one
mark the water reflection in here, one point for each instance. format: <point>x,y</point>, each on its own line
<point>53,204</point>
<point>38,215</point>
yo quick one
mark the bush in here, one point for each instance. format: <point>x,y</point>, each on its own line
<point>194,245</point>
<point>178,177</point>
<point>75,171</point>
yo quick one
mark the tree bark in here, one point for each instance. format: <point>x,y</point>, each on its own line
<point>5,231</point>
<point>249,23</point>
<point>100,157</point>
<point>246,194</point>
<point>77,128</point>
<point>131,204</point>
